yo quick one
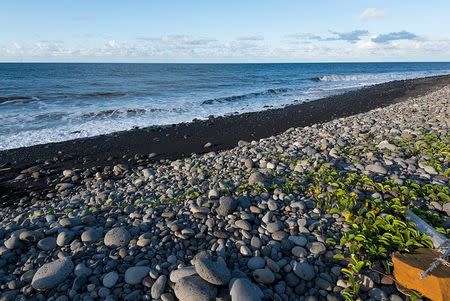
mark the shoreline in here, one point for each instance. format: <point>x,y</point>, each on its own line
<point>181,140</point>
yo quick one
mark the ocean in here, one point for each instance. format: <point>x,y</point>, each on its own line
<point>41,103</point>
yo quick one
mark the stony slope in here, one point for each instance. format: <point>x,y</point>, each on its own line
<point>261,221</point>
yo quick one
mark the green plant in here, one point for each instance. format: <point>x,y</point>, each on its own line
<point>352,272</point>
<point>376,224</point>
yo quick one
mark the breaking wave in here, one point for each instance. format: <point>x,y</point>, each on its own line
<point>241,97</point>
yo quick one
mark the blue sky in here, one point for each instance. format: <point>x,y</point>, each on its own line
<point>224,31</point>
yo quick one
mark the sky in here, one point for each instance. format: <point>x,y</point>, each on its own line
<point>223,31</point>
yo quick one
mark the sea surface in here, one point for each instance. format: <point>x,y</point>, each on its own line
<point>41,103</point>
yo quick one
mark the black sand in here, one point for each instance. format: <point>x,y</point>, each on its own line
<point>181,140</point>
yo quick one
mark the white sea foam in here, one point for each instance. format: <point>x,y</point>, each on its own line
<point>377,77</point>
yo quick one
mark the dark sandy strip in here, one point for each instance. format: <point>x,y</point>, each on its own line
<point>181,140</point>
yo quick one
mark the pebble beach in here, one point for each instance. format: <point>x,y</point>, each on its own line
<point>258,221</point>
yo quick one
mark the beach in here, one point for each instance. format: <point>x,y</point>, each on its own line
<point>156,143</point>
<point>249,205</point>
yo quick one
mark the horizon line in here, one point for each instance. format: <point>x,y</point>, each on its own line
<point>224,63</point>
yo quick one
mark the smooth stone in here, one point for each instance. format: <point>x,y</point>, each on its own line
<point>255,242</point>
<point>27,276</point>
<point>242,289</point>
<point>47,244</point>
<point>172,259</point>
<point>51,274</point>
<point>244,225</point>
<point>255,263</point>
<point>215,272</point>
<point>317,248</point>
<point>110,279</point>
<point>134,275</point>
<point>158,287</point>
<point>378,294</point>
<point>279,235</point>
<point>298,240</point>
<point>13,243</point>
<point>248,163</point>
<point>68,222</point>
<point>29,236</point>
<point>177,274</point>
<point>304,270</point>
<point>273,227</point>
<point>167,297</point>
<point>272,205</point>
<point>133,296</point>
<point>64,238</point>
<point>82,270</point>
<point>299,252</point>
<point>245,251</point>
<point>324,284</point>
<point>117,237</point>
<point>264,276</point>
<point>194,288</point>
<point>92,235</point>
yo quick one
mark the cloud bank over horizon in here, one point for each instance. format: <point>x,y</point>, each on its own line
<point>357,39</point>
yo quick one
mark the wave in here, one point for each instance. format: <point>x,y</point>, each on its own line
<point>374,76</point>
<point>359,77</point>
<point>104,114</point>
<point>240,97</point>
<point>28,99</point>
<point>115,113</point>
<point>17,99</point>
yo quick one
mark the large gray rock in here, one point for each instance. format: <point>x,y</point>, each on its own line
<point>242,289</point>
<point>51,274</point>
<point>304,270</point>
<point>194,288</point>
<point>117,237</point>
<point>134,275</point>
<point>227,205</point>
<point>256,178</point>
<point>215,272</point>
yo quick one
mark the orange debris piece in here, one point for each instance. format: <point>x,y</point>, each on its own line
<point>407,270</point>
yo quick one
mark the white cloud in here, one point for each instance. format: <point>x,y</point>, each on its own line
<point>372,13</point>
<point>250,38</point>
<point>182,48</point>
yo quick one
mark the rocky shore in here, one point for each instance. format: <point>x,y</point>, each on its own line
<point>139,146</point>
<point>266,220</point>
